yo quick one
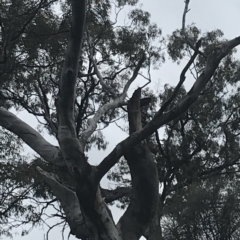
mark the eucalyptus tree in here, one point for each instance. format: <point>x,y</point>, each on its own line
<point>73,72</point>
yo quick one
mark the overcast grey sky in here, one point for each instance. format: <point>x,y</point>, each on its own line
<point>207,15</point>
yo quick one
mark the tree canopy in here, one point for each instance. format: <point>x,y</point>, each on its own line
<point>71,64</point>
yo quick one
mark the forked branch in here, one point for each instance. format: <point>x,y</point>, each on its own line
<point>117,102</point>
<point>69,203</point>
<point>182,79</point>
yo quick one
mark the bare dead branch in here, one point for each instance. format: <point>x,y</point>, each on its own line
<point>186,10</point>
<point>183,31</point>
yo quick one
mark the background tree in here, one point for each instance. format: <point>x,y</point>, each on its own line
<point>75,95</point>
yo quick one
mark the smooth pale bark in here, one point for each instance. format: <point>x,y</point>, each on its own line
<point>69,203</point>
<point>98,218</point>
<point>117,102</point>
<point>31,137</point>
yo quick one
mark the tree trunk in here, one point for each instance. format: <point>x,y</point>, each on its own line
<point>144,199</point>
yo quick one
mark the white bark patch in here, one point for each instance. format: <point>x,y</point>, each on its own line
<point>31,137</point>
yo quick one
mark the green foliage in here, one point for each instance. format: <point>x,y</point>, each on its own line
<point>208,210</point>
<point>197,156</point>
<point>33,43</point>
<point>10,146</point>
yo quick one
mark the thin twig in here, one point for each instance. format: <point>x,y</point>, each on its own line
<point>182,79</point>
<point>183,31</point>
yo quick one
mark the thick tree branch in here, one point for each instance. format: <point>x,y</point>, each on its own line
<point>69,203</point>
<point>144,199</point>
<point>113,195</point>
<point>70,145</point>
<point>31,137</point>
<point>71,65</point>
<point>160,119</point>
<point>96,213</point>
